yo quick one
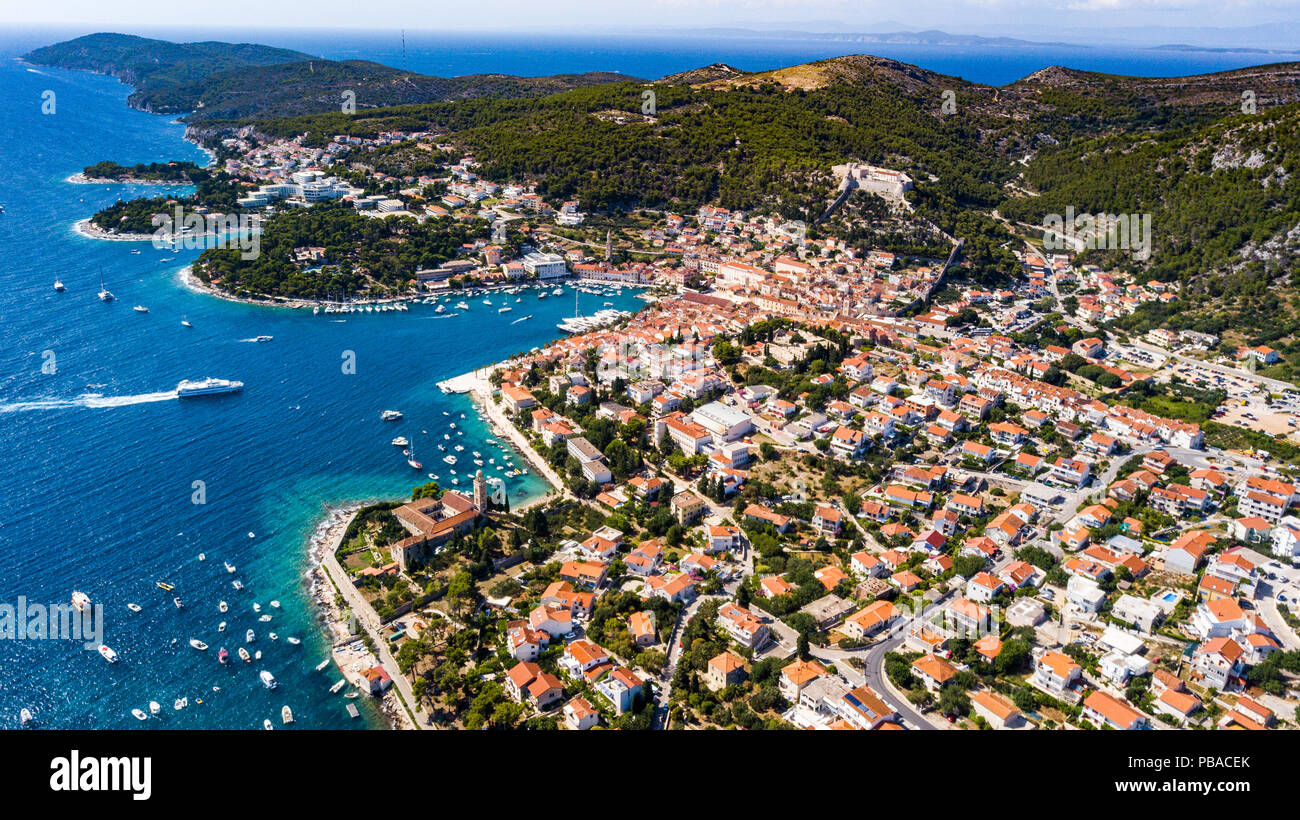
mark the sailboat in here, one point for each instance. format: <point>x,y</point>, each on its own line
<point>58,286</point>
<point>104,295</point>
<point>186,322</point>
<point>415,465</point>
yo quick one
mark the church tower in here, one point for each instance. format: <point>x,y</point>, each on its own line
<point>480,491</point>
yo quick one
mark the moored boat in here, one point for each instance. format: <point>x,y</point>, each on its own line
<point>107,653</point>
<point>286,715</point>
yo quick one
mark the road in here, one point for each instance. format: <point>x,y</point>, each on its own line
<point>1273,384</point>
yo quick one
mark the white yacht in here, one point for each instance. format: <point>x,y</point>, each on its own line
<point>390,415</point>
<point>198,644</point>
<point>140,309</point>
<point>107,653</point>
<point>207,387</point>
<point>268,680</point>
<point>58,286</point>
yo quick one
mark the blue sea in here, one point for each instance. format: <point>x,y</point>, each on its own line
<point>100,459</point>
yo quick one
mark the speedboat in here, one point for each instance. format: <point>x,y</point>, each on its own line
<point>321,666</point>
<point>229,566</point>
<point>275,604</point>
<point>237,584</point>
<point>266,724</point>
<point>139,714</point>
<point>293,641</point>
<point>390,415</point>
<point>180,703</point>
<point>505,309</point>
<point>265,338</point>
<point>154,707</point>
<point>286,715</point>
<point>273,636</point>
<point>268,680</point>
<point>243,654</point>
<point>450,459</point>
<point>178,603</point>
<point>25,717</point>
<point>257,607</point>
<point>203,557</point>
<point>140,309</point>
<point>198,644</point>
<point>223,606</point>
<point>221,627</point>
<point>186,322</point>
<point>250,636</point>
<point>80,600</point>
<point>223,655</point>
<point>257,656</point>
<point>264,618</point>
<point>337,686</point>
<point>107,653</point>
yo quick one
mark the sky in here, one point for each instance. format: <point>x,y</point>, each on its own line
<point>1034,19</point>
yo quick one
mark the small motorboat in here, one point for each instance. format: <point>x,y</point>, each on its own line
<point>339,684</point>
<point>154,707</point>
<point>265,619</point>
<point>186,322</point>
<point>178,603</point>
<point>293,641</point>
<point>139,714</point>
<point>286,715</point>
<point>352,695</point>
<point>273,636</point>
<point>268,680</point>
<point>237,584</point>
<point>134,607</point>
<point>107,653</point>
<point>250,636</point>
<point>25,717</point>
<point>223,606</point>
<point>198,644</point>
<point>229,566</point>
<point>266,724</point>
<point>180,703</point>
<point>203,557</point>
<point>320,667</point>
<point>275,604</point>
<point>140,309</point>
<point>221,627</point>
<point>243,654</point>
<point>257,656</point>
<point>223,655</point>
<point>257,607</point>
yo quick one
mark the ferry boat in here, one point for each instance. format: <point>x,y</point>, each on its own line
<point>390,415</point>
<point>107,653</point>
<point>268,680</point>
<point>80,600</point>
<point>207,387</point>
<point>198,644</point>
<point>223,655</point>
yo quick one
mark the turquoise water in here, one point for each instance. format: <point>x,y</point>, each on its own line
<point>100,458</point>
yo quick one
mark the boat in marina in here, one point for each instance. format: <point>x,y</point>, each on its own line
<point>107,653</point>
<point>462,306</point>
<point>339,684</point>
<point>320,667</point>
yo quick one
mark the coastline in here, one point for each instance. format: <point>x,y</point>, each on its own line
<point>81,179</point>
<point>325,540</point>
